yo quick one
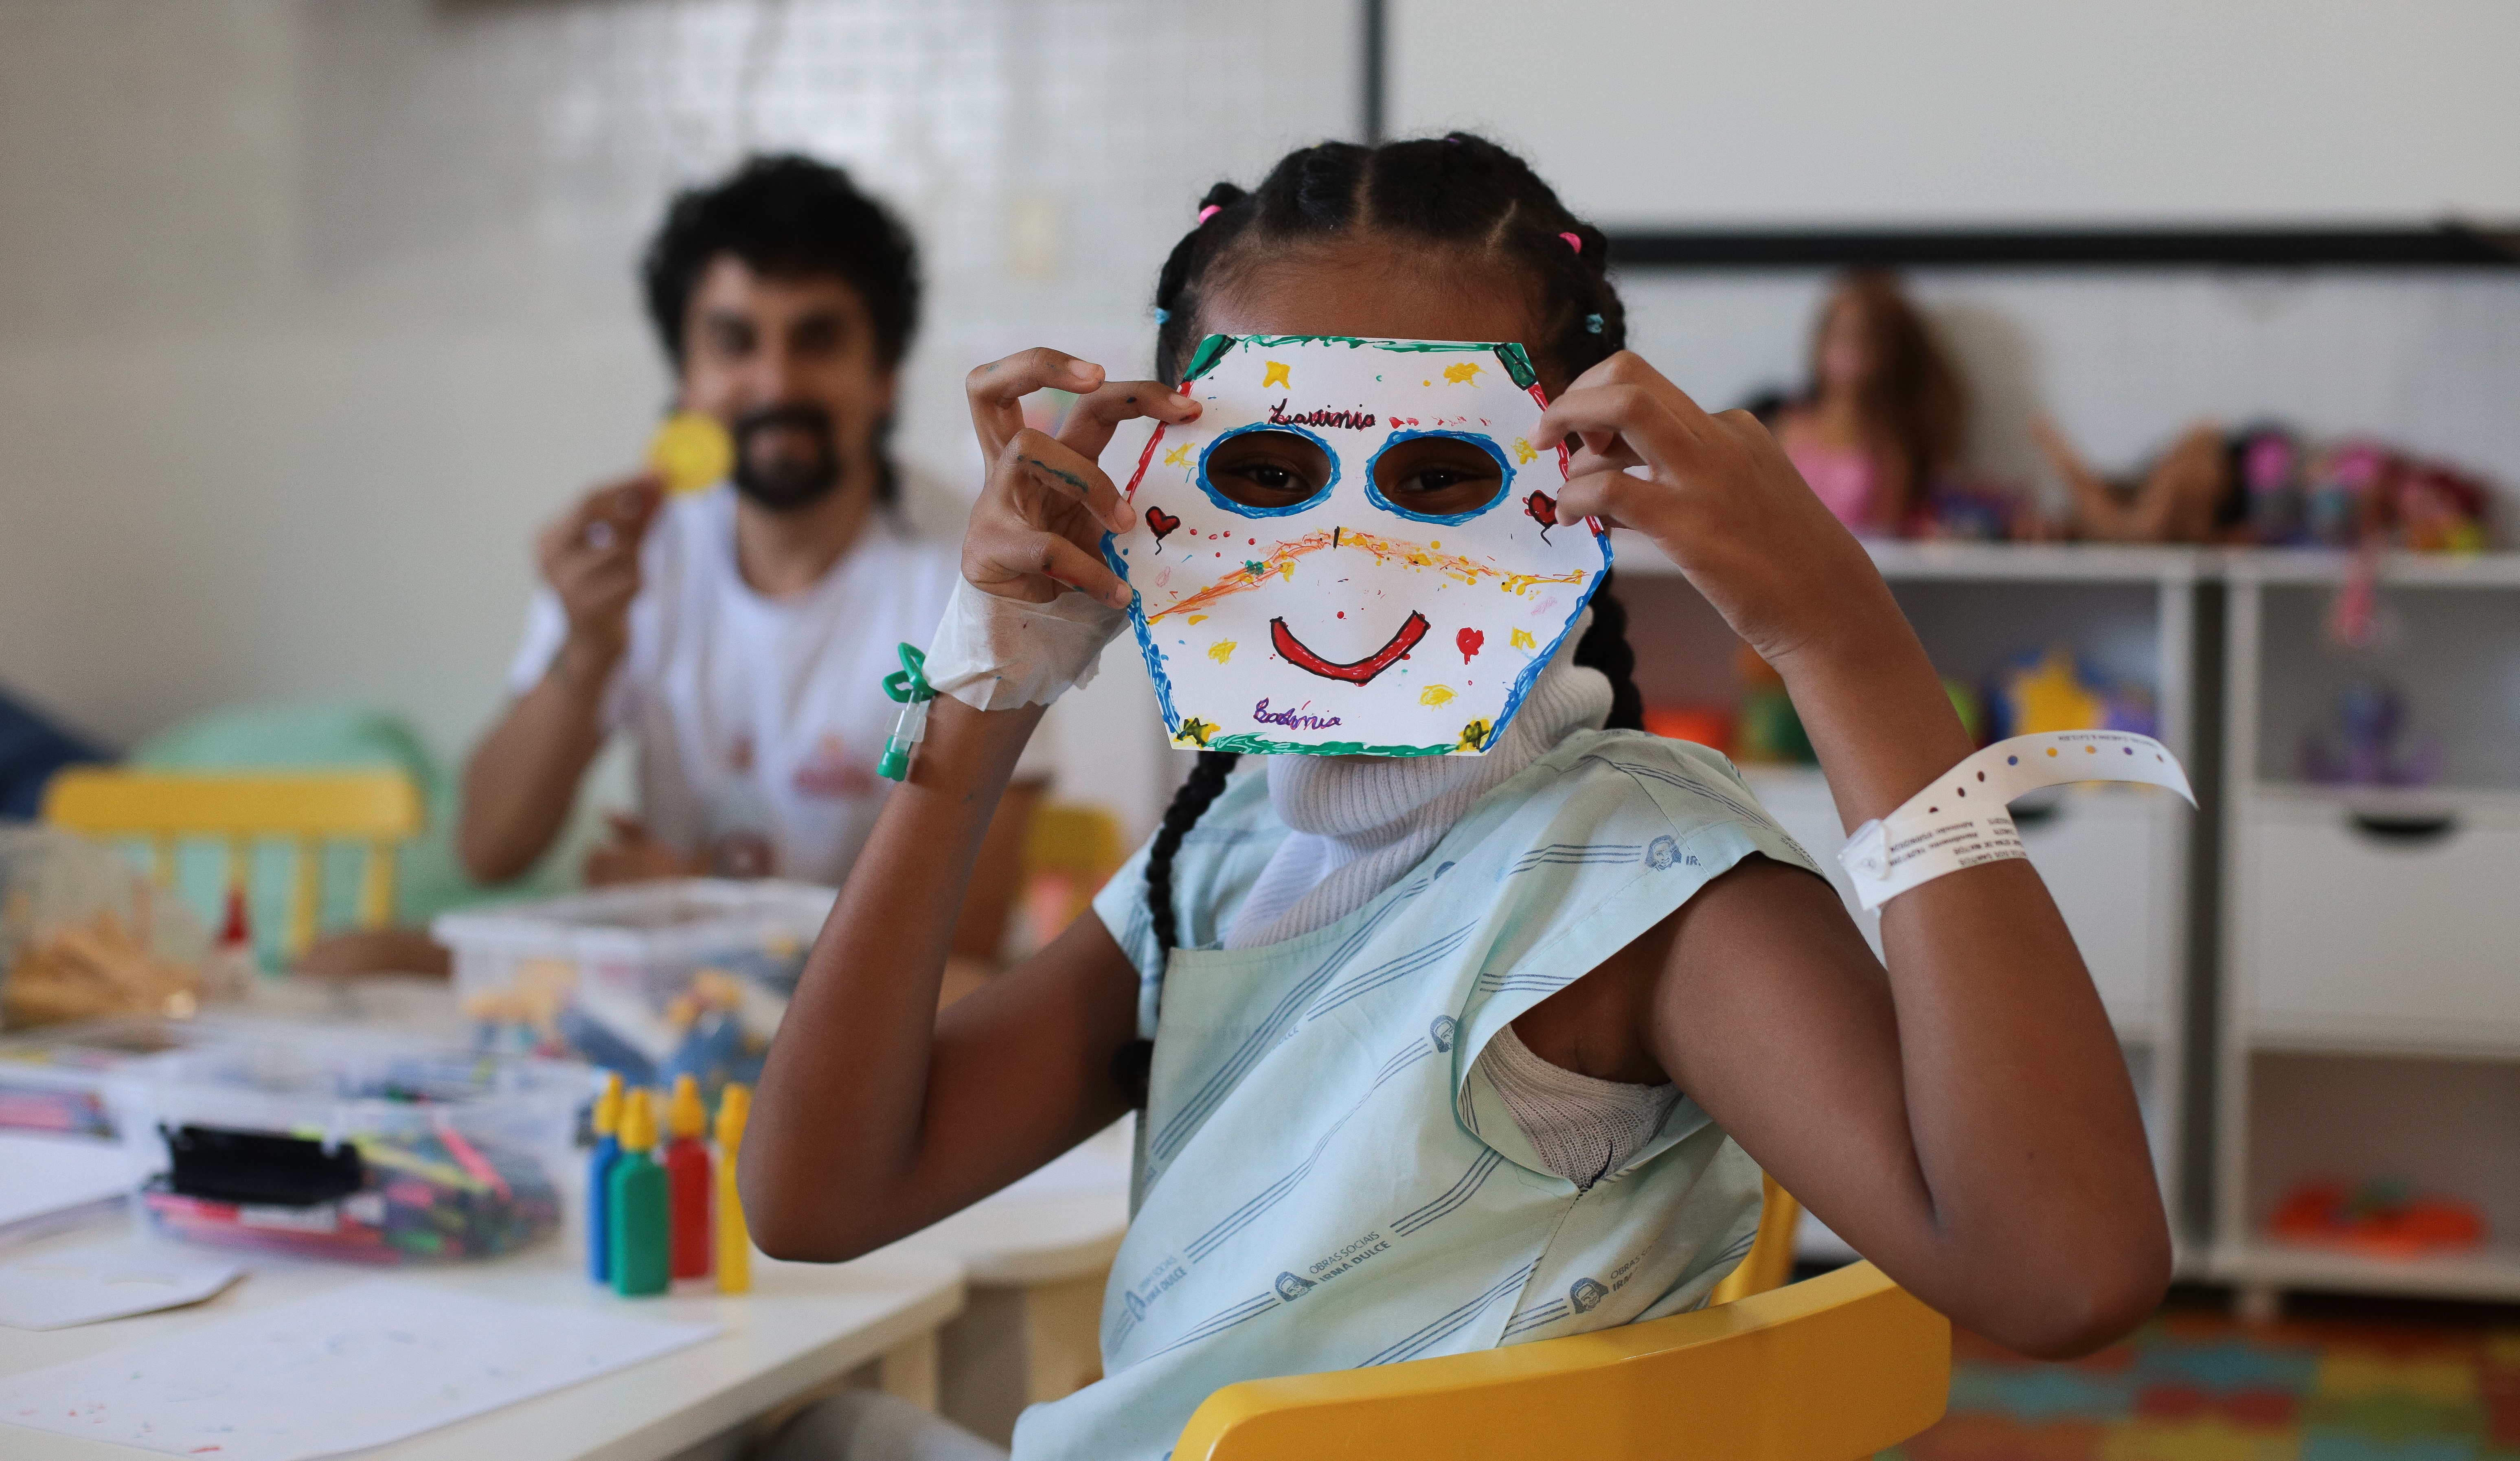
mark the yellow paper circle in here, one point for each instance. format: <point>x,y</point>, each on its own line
<point>692,450</point>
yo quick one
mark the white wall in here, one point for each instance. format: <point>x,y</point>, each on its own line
<point>311,310</point>
<point>1679,113</point>
<point>1688,112</point>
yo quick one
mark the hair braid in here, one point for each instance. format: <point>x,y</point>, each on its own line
<point>1130,1063</point>
<point>1605,647</point>
<point>1206,781</point>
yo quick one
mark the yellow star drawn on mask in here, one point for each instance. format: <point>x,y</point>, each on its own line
<point>1178,455</point>
<point>1221,651</point>
<point>1465,374</point>
<point>1474,735</point>
<point>1521,639</point>
<point>1522,452</point>
<point>1194,732</point>
<point>1275,375</point>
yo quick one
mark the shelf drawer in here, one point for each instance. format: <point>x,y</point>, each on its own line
<point>2403,930</point>
<point>2110,856</point>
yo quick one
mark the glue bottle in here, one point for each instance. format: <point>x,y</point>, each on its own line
<point>599,1178</point>
<point>641,1226</point>
<point>734,1239</point>
<point>686,1172</point>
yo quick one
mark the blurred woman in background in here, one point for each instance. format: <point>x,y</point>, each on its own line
<point>1884,414</point>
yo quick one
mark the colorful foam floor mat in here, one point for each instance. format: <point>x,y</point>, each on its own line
<point>2195,1386</point>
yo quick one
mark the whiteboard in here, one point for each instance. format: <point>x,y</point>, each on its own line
<point>1681,113</point>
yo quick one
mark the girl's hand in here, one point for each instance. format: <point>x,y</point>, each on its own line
<point>1719,497</point>
<point>1039,523</point>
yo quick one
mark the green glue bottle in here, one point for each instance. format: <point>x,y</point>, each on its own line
<point>641,1236</point>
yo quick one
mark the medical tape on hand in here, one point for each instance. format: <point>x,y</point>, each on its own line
<point>1960,820</point>
<point>994,653</point>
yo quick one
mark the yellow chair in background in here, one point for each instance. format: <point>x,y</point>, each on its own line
<point>1076,844</point>
<point>375,808</point>
<point>1829,1369</point>
<point>1770,1263</point>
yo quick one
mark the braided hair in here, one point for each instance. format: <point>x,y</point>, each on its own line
<point>1458,193</point>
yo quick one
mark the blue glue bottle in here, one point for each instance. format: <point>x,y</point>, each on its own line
<point>599,1178</point>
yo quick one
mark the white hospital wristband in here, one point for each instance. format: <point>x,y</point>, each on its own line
<point>1960,820</point>
<point>994,653</point>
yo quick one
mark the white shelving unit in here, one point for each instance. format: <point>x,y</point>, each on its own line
<point>2116,857</point>
<point>2363,1019</point>
<point>2370,1009</point>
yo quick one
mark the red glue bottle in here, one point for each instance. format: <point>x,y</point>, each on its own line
<point>687,1175</point>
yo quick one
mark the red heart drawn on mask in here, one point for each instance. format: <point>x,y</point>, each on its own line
<point>1470,641</point>
<point>1543,510</point>
<point>1161,521</point>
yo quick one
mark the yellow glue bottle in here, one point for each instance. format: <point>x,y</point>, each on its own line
<point>734,1239</point>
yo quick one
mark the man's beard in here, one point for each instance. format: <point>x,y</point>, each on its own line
<point>789,481</point>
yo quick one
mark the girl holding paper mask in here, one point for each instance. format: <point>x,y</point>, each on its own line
<point>1475,1041</point>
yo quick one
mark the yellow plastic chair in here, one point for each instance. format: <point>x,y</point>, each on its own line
<point>1829,1369</point>
<point>1076,843</point>
<point>376,809</point>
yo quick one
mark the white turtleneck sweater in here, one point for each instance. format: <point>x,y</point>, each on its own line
<point>1359,823</point>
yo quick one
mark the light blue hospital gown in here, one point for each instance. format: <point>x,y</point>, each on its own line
<point>1322,1181</point>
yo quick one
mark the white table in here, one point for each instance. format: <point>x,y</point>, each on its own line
<point>802,1327</point>
<point>1036,1257</point>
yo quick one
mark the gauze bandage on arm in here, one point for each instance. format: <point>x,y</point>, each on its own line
<point>994,653</point>
<point>1960,820</point>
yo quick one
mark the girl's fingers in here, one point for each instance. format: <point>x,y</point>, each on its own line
<point>997,390</point>
<point>1057,472</point>
<point>1609,417</point>
<point>1089,427</point>
<point>1601,495</point>
<point>1033,565</point>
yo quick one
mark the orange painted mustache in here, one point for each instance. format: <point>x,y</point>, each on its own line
<point>1280,561</point>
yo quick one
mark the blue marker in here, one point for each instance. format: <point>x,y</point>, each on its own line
<point>599,1179</point>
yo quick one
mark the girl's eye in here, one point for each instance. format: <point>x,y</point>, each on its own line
<point>1268,468</point>
<point>1438,477</point>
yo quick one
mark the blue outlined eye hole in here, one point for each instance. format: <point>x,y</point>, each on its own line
<point>1438,477</point>
<point>1267,470</point>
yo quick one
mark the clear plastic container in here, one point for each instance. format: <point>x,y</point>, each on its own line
<point>60,1079</point>
<point>654,981</point>
<point>334,1144</point>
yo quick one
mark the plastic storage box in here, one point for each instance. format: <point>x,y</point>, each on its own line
<point>655,980</point>
<point>333,1143</point>
<point>61,1078</point>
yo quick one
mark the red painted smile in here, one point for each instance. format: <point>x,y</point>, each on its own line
<point>1292,650</point>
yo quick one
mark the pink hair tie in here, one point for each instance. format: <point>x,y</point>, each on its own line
<point>1573,241</point>
<point>1209,213</point>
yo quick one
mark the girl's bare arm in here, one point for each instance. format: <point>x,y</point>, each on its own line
<point>1963,1118</point>
<point>877,1116</point>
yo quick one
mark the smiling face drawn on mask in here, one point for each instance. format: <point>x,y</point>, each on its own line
<point>1339,556</point>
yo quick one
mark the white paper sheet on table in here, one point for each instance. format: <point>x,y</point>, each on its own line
<point>359,1366</point>
<point>42,1176</point>
<point>106,1281</point>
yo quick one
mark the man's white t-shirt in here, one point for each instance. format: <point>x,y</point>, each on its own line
<point>759,721</point>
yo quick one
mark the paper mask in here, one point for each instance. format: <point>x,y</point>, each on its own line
<point>1354,550</point>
